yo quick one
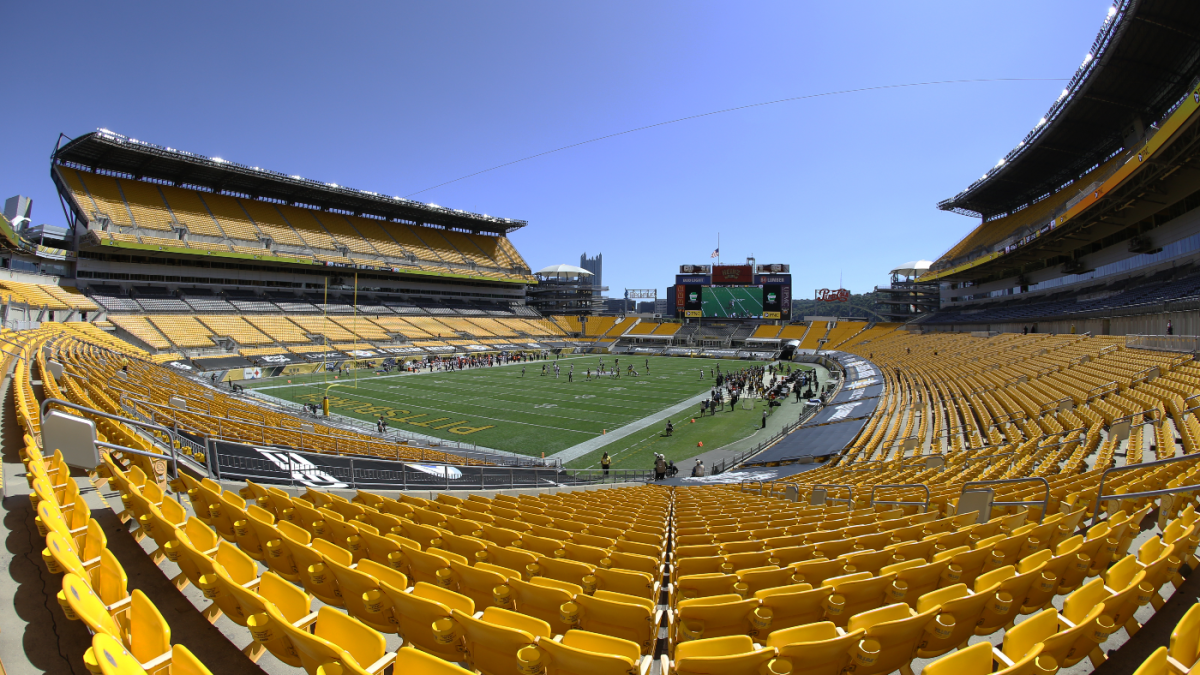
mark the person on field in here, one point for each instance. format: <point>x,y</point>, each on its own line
<point>764,423</point>
<point>660,467</point>
<point>522,371</point>
<point>605,463</point>
<point>670,428</point>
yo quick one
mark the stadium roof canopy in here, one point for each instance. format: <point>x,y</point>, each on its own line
<point>913,267</point>
<point>1139,67</point>
<point>559,271</point>
<point>106,152</point>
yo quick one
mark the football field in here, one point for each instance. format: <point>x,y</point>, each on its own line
<point>503,409</point>
<point>725,302</point>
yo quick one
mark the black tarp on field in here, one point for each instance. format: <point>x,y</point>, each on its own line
<point>808,441</point>
<point>837,424</point>
<point>273,465</point>
<point>221,363</point>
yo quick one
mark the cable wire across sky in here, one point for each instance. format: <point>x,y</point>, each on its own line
<point>838,92</point>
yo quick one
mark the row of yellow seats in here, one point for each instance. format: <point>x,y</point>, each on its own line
<point>378,596</point>
<point>799,625</point>
<point>131,635</point>
<point>278,614</point>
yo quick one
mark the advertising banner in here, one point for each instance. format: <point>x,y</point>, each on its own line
<point>733,274</point>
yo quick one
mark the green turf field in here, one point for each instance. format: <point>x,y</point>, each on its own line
<point>498,408</point>
<point>724,302</point>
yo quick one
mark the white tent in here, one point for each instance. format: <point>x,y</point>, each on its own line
<point>563,272</point>
<point>913,267</point>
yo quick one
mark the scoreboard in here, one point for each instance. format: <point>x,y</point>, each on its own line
<point>732,292</point>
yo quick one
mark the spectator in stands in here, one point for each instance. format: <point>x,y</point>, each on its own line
<point>698,470</point>
<point>1024,330</point>
<point>1170,328</point>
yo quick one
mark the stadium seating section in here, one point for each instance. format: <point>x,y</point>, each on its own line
<point>994,231</point>
<point>163,216</point>
<point>707,579</point>
<point>1129,294</point>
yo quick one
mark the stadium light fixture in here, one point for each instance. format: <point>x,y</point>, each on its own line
<point>297,177</point>
<point>218,160</point>
<point>1087,59</point>
<point>1063,94</point>
<point>1041,121</point>
<point>1112,11</point>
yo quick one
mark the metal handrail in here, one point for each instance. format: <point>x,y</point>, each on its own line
<point>138,423</point>
<point>1138,495</point>
<point>1031,479</point>
<point>925,506</point>
<point>795,485</point>
<point>849,490</point>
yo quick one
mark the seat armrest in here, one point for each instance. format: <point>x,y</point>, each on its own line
<point>383,662</point>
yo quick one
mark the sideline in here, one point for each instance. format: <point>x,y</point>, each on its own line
<point>598,442</point>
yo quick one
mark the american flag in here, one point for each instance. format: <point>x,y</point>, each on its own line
<point>716,253</point>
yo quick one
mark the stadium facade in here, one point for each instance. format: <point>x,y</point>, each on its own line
<point>1091,221</point>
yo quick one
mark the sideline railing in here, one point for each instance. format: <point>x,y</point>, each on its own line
<point>294,469</point>
<point>1165,343</point>
<point>168,412</point>
<point>1101,498</point>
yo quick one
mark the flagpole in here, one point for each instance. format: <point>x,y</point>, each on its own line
<point>718,248</point>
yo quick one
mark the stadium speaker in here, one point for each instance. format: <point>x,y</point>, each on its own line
<point>789,350</point>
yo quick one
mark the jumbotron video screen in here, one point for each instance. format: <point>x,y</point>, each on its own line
<point>732,302</point>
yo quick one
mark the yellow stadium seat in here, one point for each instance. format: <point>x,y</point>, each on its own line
<point>112,659</point>
<point>960,613</point>
<point>720,616</point>
<point>478,582</point>
<point>292,603</point>
<point>493,640</point>
<point>703,585</point>
<point>733,655</point>
<point>141,629</point>
<point>365,591</point>
<point>1008,598</point>
<point>891,636</point>
<point>856,593</point>
<point>583,653</point>
<point>623,616</point>
<point>337,638</point>
<point>978,660</point>
<point>818,648</point>
<point>1185,642</point>
<point>541,601</point>
<point>425,618</point>
<point>416,662</point>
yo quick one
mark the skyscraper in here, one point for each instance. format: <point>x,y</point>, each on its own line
<point>594,265</point>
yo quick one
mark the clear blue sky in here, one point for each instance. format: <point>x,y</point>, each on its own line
<point>396,97</point>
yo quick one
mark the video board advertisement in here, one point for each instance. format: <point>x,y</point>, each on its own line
<point>732,302</point>
<point>693,304</point>
<point>733,275</point>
